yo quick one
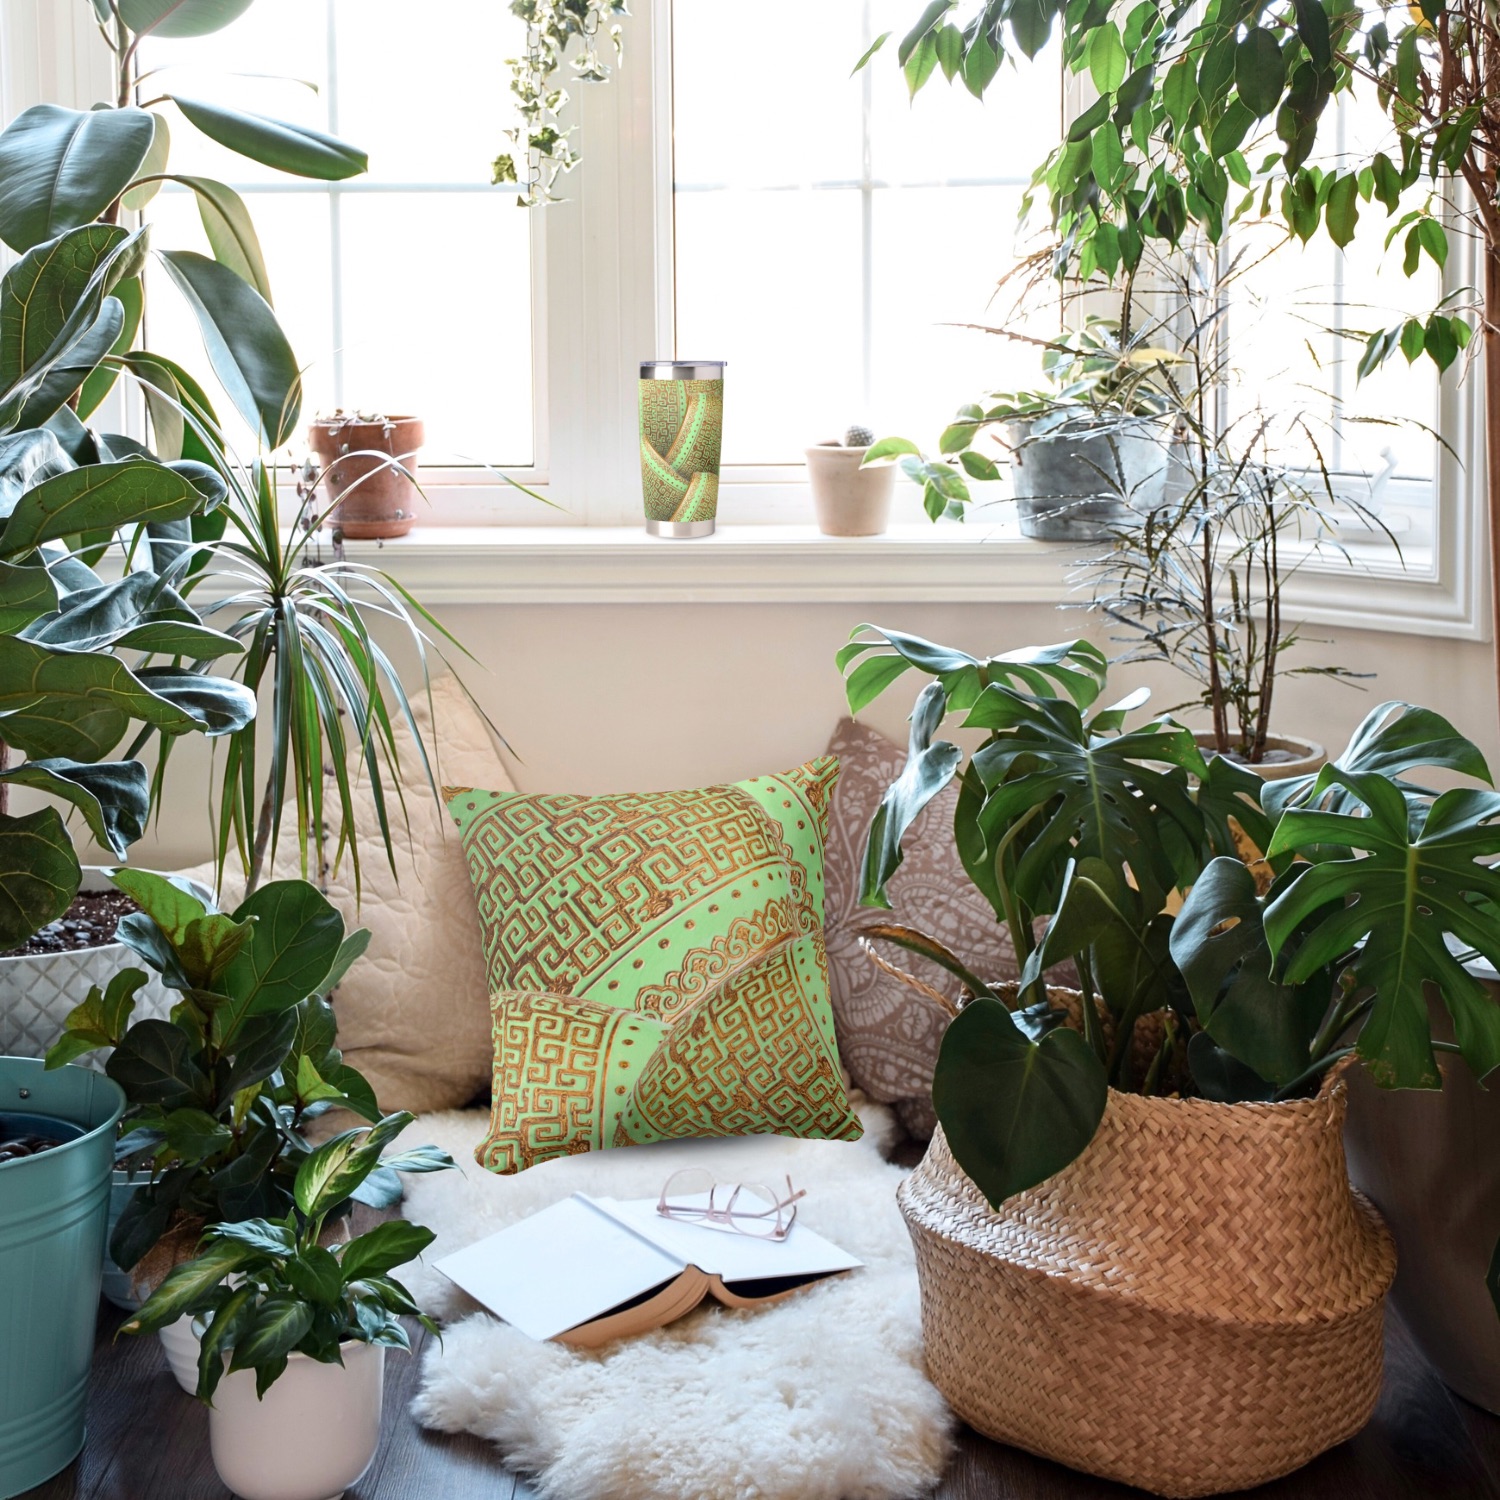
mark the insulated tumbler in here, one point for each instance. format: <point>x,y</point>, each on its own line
<point>682,426</point>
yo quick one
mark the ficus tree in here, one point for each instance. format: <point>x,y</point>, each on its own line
<point>1208,114</point>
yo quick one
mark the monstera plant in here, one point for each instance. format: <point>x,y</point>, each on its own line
<point>1316,912</point>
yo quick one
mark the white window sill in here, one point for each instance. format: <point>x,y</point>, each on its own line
<point>774,564</point>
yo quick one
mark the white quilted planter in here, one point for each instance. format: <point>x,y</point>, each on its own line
<point>38,990</point>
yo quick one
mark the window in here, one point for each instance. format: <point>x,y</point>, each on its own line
<point>407,289</point>
<point>826,231</point>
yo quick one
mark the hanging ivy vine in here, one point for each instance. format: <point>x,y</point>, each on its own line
<point>541,150</point>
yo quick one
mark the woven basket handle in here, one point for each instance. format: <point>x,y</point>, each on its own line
<point>889,932</point>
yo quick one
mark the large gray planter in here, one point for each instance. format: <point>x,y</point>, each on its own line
<point>1084,481</point>
<point>38,990</point>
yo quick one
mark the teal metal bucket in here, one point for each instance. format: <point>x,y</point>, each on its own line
<point>53,1212</point>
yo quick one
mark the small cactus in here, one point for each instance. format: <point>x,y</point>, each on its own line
<point>859,436</point>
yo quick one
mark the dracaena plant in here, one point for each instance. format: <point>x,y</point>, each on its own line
<point>218,1096</point>
<point>286,1292</point>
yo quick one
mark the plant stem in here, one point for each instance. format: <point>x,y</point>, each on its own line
<point>1492,425</point>
<point>4,785</point>
<point>262,836</point>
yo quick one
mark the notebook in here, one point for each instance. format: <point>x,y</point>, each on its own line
<point>588,1270</point>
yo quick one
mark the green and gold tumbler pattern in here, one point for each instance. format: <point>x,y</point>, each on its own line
<point>682,429</point>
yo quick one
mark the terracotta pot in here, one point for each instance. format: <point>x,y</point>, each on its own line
<point>1304,757</point>
<point>375,498</point>
<point>1428,1160</point>
<point>849,500</point>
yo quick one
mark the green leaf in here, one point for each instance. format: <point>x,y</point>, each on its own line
<point>1440,341</point>
<point>1434,240</point>
<point>26,594</point>
<point>294,945</point>
<point>889,448</point>
<point>281,1322</point>
<point>60,168</point>
<point>1343,209</point>
<point>54,379</point>
<point>262,1046</point>
<point>155,1064</point>
<point>276,143</point>
<point>1180,93</point>
<point>981,63</point>
<point>1313,28</point>
<point>950,50</point>
<point>246,347</point>
<point>1014,1110</point>
<point>77,706</point>
<point>1222,1077</point>
<point>1259,71</point>
<point>260,1234</point>
<point>180,17</point>
<point>228,1323</point>
<point>195,1135</point>
<point>931,15</point>
<point>101,1020</point>
<point>919,66</point>
<point>113,796</point>
<point>132,300</point>
<point>870,51</point>
<point>138,613</point>
<point>39,874</point>
<point>384,1248</point>
<point>929,767</point>
<point>1106,58</point>
<point>1412,882</point>
<point>153,168</point>
<point>185,1286</point>
<point>1219,944</point>
<point>315,1274</point>
<point>231,232</point>
<point>105,497</point>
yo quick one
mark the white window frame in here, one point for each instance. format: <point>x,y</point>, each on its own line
<point>603,301</point>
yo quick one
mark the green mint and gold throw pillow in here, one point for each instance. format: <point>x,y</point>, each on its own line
<point>656,965</point>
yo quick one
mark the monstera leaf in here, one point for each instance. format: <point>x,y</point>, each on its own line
<point>1076,668</point>
<point>1014,1110</point>
<point>1220,945</point>
<point>1090,789</point>
<point>1392,740</point>
<point>1414,883</point>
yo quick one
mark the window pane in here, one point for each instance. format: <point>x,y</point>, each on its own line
<point>827,228</point>
<point>363,272</point>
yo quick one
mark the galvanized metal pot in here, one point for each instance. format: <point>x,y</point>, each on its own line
<point>53,1211</point>
<point>1083,481</point>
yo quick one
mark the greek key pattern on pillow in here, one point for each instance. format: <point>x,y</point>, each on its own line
<point>657,964</point>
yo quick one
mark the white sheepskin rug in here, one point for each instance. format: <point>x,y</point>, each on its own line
<point>818,1397</point>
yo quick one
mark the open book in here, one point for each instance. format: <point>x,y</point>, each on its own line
<point>588,1270</point>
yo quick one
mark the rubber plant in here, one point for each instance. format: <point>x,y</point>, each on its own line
<point>1205,115</point>
<point>267,1288</point>
<point>1082,832</point>
<point>73,643</point>
<point>219,1095</point>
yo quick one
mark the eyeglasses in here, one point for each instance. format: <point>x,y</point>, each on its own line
<point>696,1197</point>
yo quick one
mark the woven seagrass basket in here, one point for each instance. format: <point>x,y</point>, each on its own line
<point>1193,1306</point>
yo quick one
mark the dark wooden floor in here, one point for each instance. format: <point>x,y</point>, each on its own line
<point>148,1441</point>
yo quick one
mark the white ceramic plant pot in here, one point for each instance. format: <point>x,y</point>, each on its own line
<point>849,500</point>
<point>38,990</point>
<point>1298,757</point>
<point>313,1434</point>
<point>179,1342</point>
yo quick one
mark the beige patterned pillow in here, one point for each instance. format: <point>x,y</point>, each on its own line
<point>888,1036</point>
<point>414,1012</point>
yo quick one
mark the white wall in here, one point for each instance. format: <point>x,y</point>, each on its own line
<point>621,697</point>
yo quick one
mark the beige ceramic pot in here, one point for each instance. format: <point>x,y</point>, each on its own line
<point>1290,756</point>
<point>849,500</point>
<point>359,458</point>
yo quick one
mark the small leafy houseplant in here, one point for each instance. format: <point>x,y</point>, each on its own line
<point>1070,820</point>
<point>264,1289</point>
<point>219,1094</point>
<point>1089,447</point>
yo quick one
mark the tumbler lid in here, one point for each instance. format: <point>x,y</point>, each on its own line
<point>682,369</point>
